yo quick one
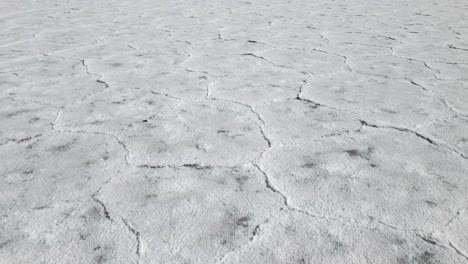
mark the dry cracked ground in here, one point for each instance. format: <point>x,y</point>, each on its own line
<point>224,131</point>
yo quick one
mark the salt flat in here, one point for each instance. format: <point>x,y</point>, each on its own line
<point>234,131</point>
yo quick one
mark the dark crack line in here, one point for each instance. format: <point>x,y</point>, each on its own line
<point>103,82</point>
<point>438,96</point>
<point>260,119</point>
<point>434,71</point>
<point>166,95</point>
<point>269,61</point>
<point>453,62</point>
<point>262,128</point>
<point>99,80</point>
<point>259,42</point>
<point>104,209</point>
<point>124,146</point>
<point>136,233</point>
<point>367,45</point>
<point>450,245</point>
<point>316,104</point>
<point>300,98</point>
<point>322,36</point>
<point>270,186</point>
<point>344,132</point>
<point>388,37</point>
<point>419,85</point>
<point>427,139</point>
<point>195,166</point>
<point>456,48</point>
<point>255,232</point>
<point>304,82</point>
<point>429,240</point>
<point>345,58</point>
<point>267,179</point>
<point>417,134</point>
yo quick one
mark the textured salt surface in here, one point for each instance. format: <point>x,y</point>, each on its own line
<point>234,131</point>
